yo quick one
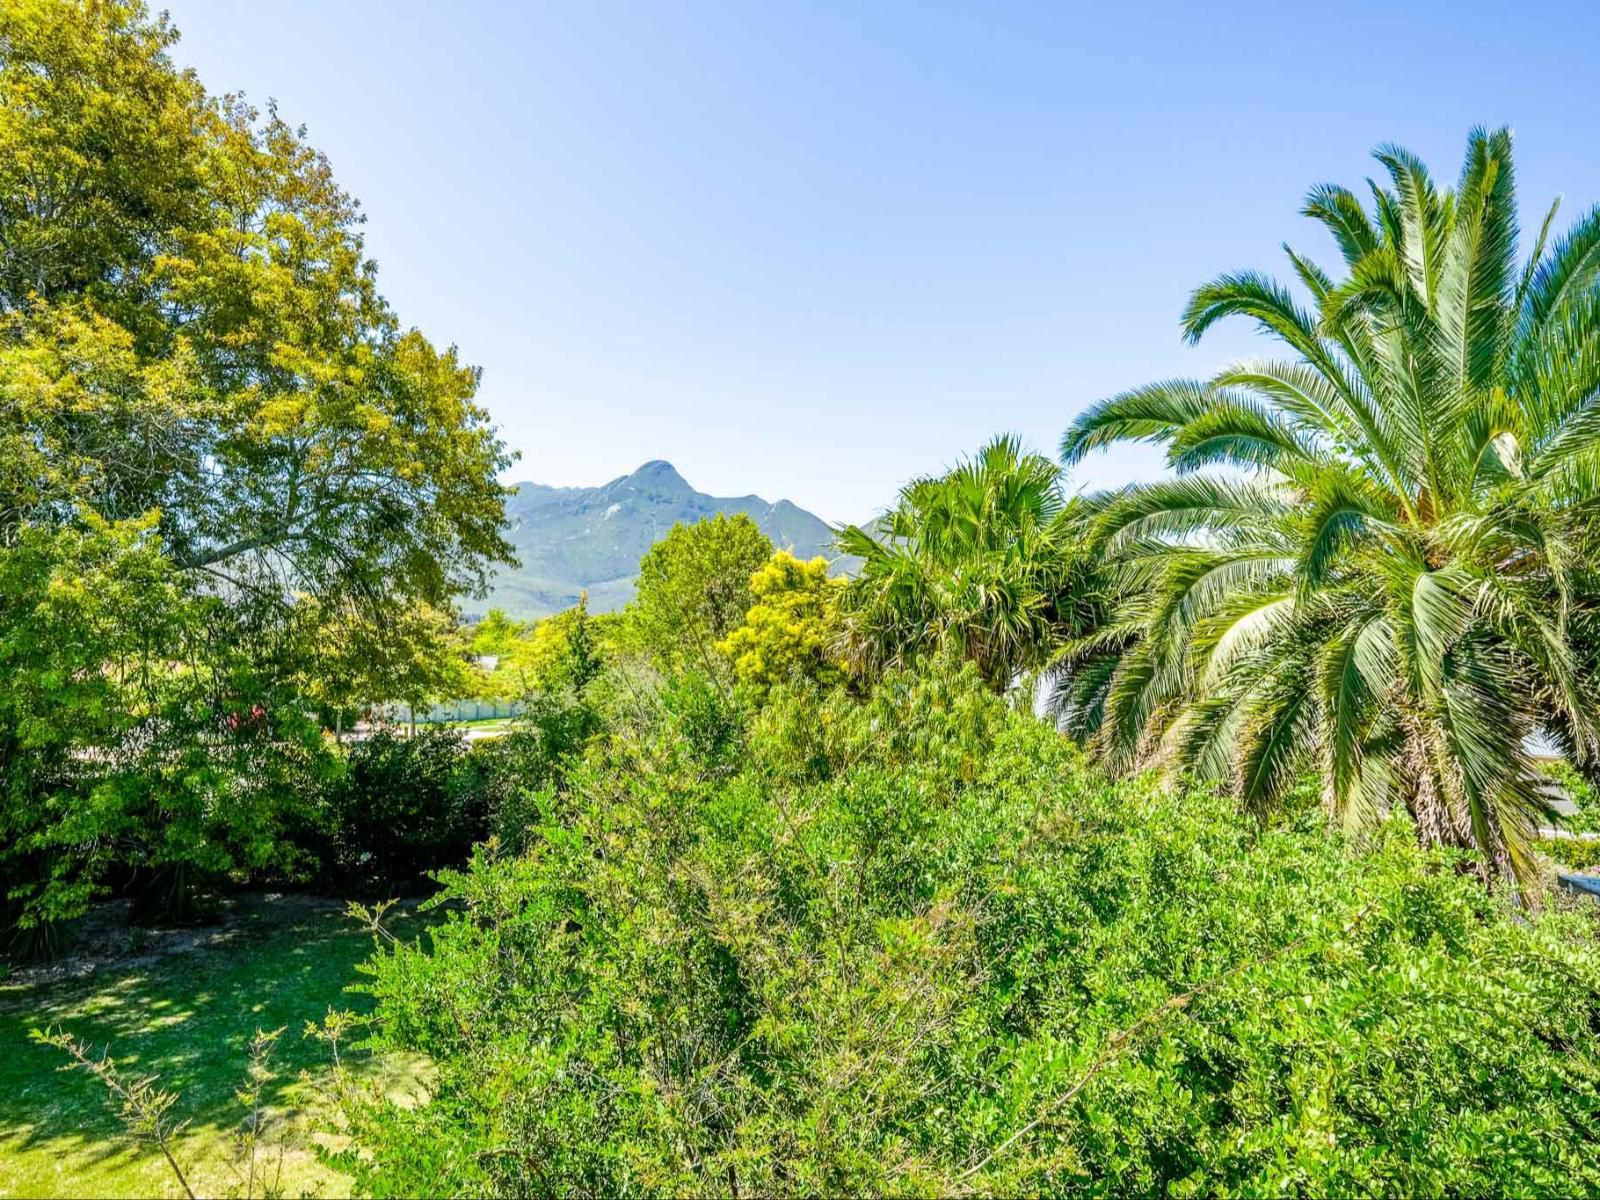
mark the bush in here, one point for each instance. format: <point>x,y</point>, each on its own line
<point>521,768</point>
<point>1581,791</point>
<point>403,807</point>
<point>915,945</point>
<point>1578,854</point>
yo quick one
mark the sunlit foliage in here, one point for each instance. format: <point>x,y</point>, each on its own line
<point>984,561</point>
<point>237,487</point>
<point>694,588</point>
<point>793,628</point>
<point>1376,585</point>
<point>912,943</point>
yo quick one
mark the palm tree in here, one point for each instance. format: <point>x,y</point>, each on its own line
<point>979,562</point>
<point>1369,554</point>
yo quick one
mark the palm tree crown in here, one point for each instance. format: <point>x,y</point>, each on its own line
<point>981,562</point>
<point>1367,559</point>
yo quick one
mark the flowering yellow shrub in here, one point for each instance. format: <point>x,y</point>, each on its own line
<point>792,630</point>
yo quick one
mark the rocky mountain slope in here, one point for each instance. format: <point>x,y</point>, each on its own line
<point>579,539</point>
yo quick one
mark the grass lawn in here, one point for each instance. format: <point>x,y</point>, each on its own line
<point>484,726</point>
<point>185,1009</point>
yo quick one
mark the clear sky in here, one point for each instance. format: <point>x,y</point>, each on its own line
<point>813,250</point>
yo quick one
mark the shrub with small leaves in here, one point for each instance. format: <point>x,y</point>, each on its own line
<point>1579,854</point>
<point>403,807</point>
<point>914,944</point>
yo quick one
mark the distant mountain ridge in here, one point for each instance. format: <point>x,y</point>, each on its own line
<point>576,539</point>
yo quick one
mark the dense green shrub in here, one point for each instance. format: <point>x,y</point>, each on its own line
<point>913,944</point>
<point>403,807</point>
<point>557,723</point>
<point>1578,854</point>
<point>520,770</point>
<point>516,769</point>
<point>1581,791</point>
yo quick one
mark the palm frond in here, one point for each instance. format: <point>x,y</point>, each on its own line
<point>1153,413</point>
<point>1251,294</point>
<point>1475,283</point>
<point>1421,218</point>
<point>1571,270</point>
<point>1343,513</point>
<point>1341,213</point>
<point>1400,588</point>
<point>1179,509</point>
<point>1237,432</point>
<point>1355,672</point>
<point>1277,733</point>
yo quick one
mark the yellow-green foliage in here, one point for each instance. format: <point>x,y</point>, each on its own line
<point>1579,854</point>
<point>791,631</point>
<point>694,588</point>
<point>531,659</point>
<point>349,659</point>
<point>497,633</point>
<point>237,492</point>
<point>532,656</point>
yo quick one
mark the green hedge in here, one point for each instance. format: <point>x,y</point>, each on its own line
<point>1578,854</point>
<point>913,944</point>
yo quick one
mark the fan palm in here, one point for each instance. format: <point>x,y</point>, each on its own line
<point>980,562</point>
<point>1369,553</point>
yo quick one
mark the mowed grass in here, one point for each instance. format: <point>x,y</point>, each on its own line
<point>188,1016</point>
<point>487,725</point>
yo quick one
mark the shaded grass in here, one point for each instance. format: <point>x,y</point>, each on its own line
<point>187,1016</point>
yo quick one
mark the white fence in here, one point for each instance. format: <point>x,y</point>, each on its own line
<point>441,714</point>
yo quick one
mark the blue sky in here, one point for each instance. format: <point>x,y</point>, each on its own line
<point>814,250</point>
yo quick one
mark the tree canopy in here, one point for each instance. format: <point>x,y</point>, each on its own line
<point>983,561</point>
<point>792,629</point>
<point>694,587</point>
<point>192,329</point>
<point>207,405</point>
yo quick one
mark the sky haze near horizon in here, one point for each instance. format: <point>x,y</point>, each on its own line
<point>813,251</point>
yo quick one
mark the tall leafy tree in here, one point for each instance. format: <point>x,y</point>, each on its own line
<point>1369,559</point>
<point>497,634</point>
<point>418,656</point>
<point>207,405</point>
<point>191,328</point>
<point>982,562</point>
<point>694,588</point>
<point>533,657</point>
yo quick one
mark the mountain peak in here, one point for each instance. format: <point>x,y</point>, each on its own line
<point>573,540</point>
<point>658,469</point>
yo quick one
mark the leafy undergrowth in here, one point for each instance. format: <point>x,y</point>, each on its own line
<point>187,1015</point>
<point>1572,853</point>
<point>909,942</point>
